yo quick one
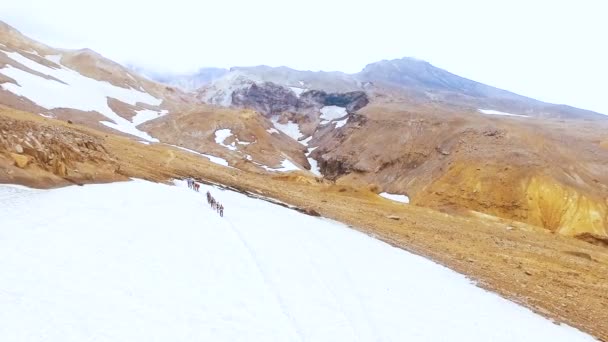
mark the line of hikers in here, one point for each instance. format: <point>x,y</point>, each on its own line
<point>193,185</point>
<point>215,205</point>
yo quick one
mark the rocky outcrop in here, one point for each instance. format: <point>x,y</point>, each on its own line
<point>267,98</point>
<point>352,101</point>
<point>53,151</point>
<point>273,99</point>
<point>519,170</point>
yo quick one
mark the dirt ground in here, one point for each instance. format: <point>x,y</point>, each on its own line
<point>559,277</point>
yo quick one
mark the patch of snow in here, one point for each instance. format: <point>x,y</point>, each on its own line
<point>290,128</point>
<point>140,261</point>
<point>306,141</point>
<point>48,116</point>
<point>144,142</point>
<point>286,165</point>
<point>221,135</point>
<point>396,197</point>
<point>341,123</point>
<point>147,115</point>
<point>495,112</point>
<point>213,159</point>
<point>77,92</point>
<point>330,113</point>
<point>54,58</point>
<point>314,167</point>
<point>272,131</point>
<point>297,90</point>
<point>301,83</point>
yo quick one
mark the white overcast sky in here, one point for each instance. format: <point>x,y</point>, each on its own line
<point>555,51</point>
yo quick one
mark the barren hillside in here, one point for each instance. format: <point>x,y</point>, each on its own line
<point>559,277</point>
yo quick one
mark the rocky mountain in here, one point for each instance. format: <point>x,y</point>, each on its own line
<point>445,141</point>
<point>438,85</point>
<point>401,127</point>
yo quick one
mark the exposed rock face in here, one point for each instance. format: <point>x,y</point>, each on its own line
<point>272,99</point>
<point>65,153</point>
<point>516,169</point>
<point>267,98</point>
<point>21,161</point>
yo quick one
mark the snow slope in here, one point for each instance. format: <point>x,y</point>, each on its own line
<point>78,92</point>
<point>213,159</point>
<point>330,113</point>
<point>395,197</point>
<point>221,135</point>
<point>140,261</point>
<point>496,112</point>
<point>290,128</point>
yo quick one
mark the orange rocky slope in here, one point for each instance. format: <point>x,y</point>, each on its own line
<point>547,172</point>
<point>556,276</point>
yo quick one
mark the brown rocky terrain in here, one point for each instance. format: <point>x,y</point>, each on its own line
<point>559,277</point>
<point>549,173</point>
<point>254,145</point>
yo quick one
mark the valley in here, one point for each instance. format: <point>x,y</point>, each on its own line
<point>508,191</point>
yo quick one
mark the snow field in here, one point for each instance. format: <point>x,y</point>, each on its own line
<point>221,135</point>
<point>140,261</point>
<point>290,128</point>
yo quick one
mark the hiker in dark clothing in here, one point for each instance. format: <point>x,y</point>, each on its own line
<point>221,210</point>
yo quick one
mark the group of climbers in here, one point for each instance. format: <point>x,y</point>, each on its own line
<point>193,185</point>
<point>215,205</point>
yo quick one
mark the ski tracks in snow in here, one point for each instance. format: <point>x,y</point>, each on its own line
<point>268,282</point>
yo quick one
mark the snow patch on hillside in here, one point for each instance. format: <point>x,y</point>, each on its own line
<point>213,159</point>
<point>290,128</point>
<point>146,115</point>
<point>396,197</point>
<point>495,112</point>
<point>139,261</point>
<point>54,58</point>
<point>314,167</point>
<point>272,131</point>
<point>330,113</point>
<point>297,91</point>
<point>77,92</point>
<point>341,123</point>
<point>286,166</point>
<point>221,135</point>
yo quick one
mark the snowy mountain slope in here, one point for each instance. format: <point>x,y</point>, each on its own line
<point>81,86</point>
<point>140,261</point>
<point>69,89</point>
